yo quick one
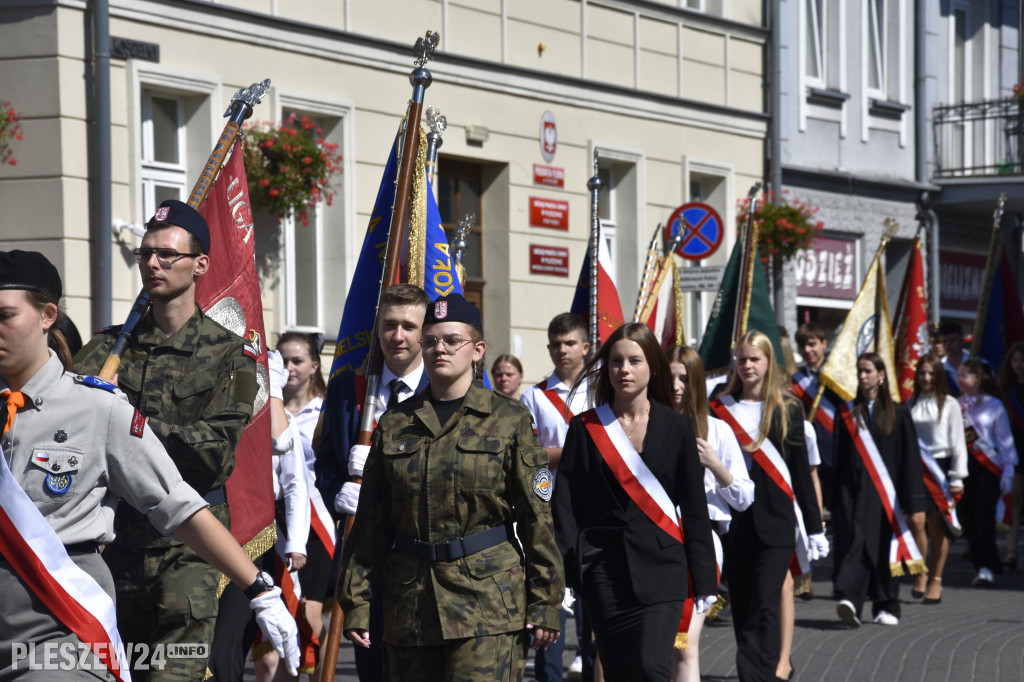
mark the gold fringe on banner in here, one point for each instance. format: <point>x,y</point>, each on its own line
<point>677,296</point>
<point>913,568</point>
<point>255,548</point>
<point>418,215</point>
<point>802,584</point>
<point>682,641</point>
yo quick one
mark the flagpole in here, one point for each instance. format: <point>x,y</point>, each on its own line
<point>594,185</point>
<point>437,124</point>
<point>664,265</point>
<point>239,109</point>
<point>420,79</point>
<point>995,247</point>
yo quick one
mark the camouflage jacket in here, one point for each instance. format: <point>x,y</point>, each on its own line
<point>197,388</point>
<point>436,483</point>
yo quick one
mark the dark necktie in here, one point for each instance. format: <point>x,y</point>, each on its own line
<point>12,402</point>
<point>396,387</point>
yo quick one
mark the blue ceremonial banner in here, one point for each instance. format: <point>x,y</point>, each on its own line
<point>1002,321</point>
<point>356,331</point>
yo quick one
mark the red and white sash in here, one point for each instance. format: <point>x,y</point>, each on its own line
<point>551,394</point>
<point>770,459</point>
<point>291,594</point>
<point>982,453</point>
<point>682,633</point>
<point>642,486</point>
<point>902,547</point>
<point>937,484</point>
<point>321,522</point>
<point>805,387</point>
<point>39,558</point>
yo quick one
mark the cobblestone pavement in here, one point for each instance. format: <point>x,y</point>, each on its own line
<point>974,634</point>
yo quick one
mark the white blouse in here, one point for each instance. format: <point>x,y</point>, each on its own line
<point>290,485</point>
<point>942,432</point>
<point>737,495</point>
<point>993,426</point>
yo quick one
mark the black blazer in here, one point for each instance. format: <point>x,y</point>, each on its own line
<point>587,497</point>
<point>770,517</point>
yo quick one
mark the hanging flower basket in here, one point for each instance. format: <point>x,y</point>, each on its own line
<point>785,226</point>
<point>10,129</point>
<point>290,167</point>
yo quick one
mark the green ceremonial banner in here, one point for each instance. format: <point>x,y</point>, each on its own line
<point>716,345</point>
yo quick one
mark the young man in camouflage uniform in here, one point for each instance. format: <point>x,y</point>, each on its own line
<point>448,474</point>
<point>193,383</point>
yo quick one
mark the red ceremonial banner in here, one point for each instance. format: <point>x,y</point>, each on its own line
<point>912,325</point>
<point>230,293</point>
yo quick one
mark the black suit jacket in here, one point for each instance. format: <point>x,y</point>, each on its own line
<point>587,497</point>
<point>770,517</point>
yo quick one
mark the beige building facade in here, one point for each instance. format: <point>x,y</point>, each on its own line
<point>669,94</point>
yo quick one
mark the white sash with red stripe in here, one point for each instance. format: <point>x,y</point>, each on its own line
<point>902,547</point>
<point>770,459</point>
<point>983,454</point>
<point>682,633</point>
<point>551,394</point>
<point>642,486</point>
<point>39,558</point>
<point>937,484</point>
<point>805,387</point>
<point>321,522</point>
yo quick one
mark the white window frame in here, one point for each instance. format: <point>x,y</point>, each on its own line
<point>153,172</point>
<point>147,77</point>
<point>967,149</point>
<point>628,251</point>
<point>876,24</point>
<point>817,28</point>
<point>316,104</point>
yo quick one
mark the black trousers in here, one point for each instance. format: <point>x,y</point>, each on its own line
<point>860,576</point>
<point>977,512</point>
<point>756,573</point>
<point>634,640</point>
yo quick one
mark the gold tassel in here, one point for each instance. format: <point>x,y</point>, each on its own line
<point>255,548</point>
<point>718,606</point>
<point>916,566</point>
<point>418,215</point>
<point>801,584</point>
<point>682,641</point>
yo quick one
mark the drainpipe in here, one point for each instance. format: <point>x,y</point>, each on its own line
<point>775,136</point>
<point>101,287</point>
<point>921,138</point>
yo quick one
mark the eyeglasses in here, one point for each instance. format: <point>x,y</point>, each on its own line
<point>166,257</point>
<point>451,343</point>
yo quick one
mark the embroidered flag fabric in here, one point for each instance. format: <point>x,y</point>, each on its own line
<point>609,308</point>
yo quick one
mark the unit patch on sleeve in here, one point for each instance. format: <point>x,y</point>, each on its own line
<point>542,484</point>
<point>138,424</point>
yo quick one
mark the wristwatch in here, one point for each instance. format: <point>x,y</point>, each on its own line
<point>264,581</point>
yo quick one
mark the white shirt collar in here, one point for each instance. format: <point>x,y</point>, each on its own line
<point>411,381</point>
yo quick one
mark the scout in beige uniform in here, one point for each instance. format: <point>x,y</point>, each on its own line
<point>74,446</point>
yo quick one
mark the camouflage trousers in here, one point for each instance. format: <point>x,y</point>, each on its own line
<point>165,595</point>
<point>501,658</point>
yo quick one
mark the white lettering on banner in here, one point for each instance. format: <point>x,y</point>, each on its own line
<point>240,210</point>
<point>827,269</point>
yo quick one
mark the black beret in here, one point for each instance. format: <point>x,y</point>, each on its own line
<point>29,270</point>
<point>174,212</point>
<point>453,308</point>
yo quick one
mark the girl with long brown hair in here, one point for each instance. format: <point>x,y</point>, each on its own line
<point>626,467</point>
<point>940,429</point>
<point>727,485</point>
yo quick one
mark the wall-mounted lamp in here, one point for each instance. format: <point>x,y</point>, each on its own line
<point>477,134</point>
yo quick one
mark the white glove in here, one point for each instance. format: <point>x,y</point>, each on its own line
<point>818,546</point>
<point>283,444</point>
<point>347,499</point>
<point>1006,482</point>
<point>278,374</point>
<point>278,627</point>
<point>567,601</point>
<point>357,459</point>
<point>702,604</point>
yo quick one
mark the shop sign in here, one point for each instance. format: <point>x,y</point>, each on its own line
<point>960,280</point>
<point>549,260</point>
<point>551,213</point>
<point>829,269</point>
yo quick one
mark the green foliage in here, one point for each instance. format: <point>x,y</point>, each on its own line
<point>290,167</point>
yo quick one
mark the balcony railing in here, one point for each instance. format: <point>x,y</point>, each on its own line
<point>979,138</point>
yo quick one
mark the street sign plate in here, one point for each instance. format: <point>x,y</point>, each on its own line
<point>702,230</point>
<point>701,279</point>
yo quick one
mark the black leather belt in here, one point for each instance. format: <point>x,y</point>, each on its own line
<point>453,549</point>
<point>82,548</point>
<point>216,496</point>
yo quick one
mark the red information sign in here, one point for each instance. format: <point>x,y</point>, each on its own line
<point>549,260</point>
<point>549,213</point>
<point>548,176</point>
<point>829,269</point>
<point>960,281</point>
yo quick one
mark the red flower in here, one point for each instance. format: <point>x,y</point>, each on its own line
<point>274,192</point>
